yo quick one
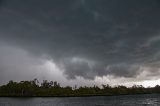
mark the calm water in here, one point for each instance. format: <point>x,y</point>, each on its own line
<point>128,100</point>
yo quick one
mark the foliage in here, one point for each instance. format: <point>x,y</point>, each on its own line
<point>33,88</point>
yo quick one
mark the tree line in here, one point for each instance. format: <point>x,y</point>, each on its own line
<point>50,88</point>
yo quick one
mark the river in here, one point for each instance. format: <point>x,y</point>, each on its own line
<point>123,100</point>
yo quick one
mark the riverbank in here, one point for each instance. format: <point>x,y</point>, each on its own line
<point>53,89</point>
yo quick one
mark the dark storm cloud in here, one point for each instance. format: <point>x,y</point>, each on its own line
<point>86,38</point>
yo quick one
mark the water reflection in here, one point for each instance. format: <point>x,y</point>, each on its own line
<point>130,100</point>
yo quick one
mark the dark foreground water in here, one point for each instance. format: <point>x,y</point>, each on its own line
<point>127,100</point>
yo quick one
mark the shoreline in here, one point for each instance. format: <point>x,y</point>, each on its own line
<point>74,96</point>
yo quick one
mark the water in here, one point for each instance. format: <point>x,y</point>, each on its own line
<point>127,100</point>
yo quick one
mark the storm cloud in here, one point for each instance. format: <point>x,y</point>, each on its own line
<point>86,38</point>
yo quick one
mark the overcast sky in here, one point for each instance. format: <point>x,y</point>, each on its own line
<point>81,42</point>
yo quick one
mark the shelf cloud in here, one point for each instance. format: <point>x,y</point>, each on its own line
<point>85,38</point>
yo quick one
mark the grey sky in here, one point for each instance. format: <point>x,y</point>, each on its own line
<point>82,38</point>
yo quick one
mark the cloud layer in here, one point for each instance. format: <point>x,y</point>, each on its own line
<point>86,38</point>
